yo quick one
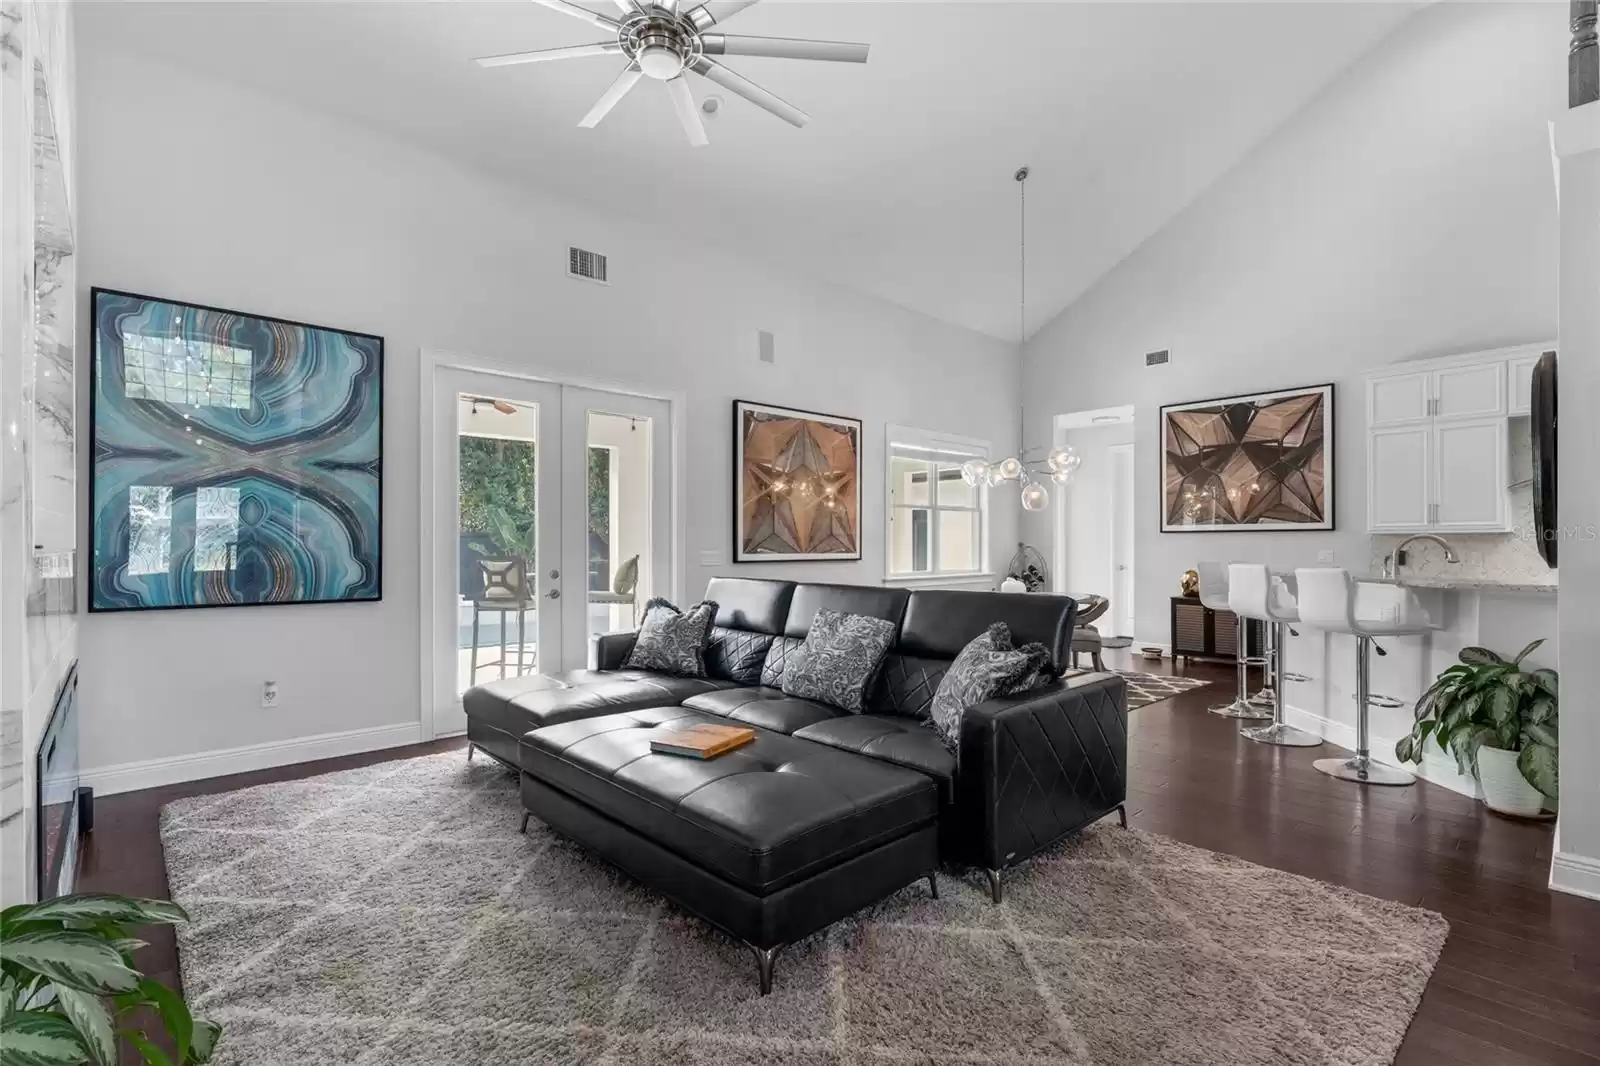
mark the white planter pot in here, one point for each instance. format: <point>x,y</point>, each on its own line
<point>1504,787</point>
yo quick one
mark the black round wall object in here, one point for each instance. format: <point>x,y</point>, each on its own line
<point>1543,411</point>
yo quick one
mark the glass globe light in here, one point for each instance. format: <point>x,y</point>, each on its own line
<point>1058,457</point>
<point>1034,497</point>
<point>1061,477</point>
<point>975,472</point>
<point>1010,468</point>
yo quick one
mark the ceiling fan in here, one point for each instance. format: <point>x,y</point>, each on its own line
<point>664,40</point>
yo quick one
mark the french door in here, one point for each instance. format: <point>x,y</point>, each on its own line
<point>551,522</point>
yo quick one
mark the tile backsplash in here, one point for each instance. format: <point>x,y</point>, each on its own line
<point>1512,557</point>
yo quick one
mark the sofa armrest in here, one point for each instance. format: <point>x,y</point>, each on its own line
<point>608,651</point>
<point>1039,765</point>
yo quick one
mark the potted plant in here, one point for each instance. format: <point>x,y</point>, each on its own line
<point>1499,722</point>
<point>69,993</point>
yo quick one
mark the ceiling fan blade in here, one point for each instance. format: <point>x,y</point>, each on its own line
<point>619,88</point>
<point>576,51</point>
<point>718,44</point>
<point>704,16</point>
<point>627,7</point>
<point>713,71</point>
<point>688,111</point>
<point>579,11</point>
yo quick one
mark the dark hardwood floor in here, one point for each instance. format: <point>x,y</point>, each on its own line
<point>1519,981</point>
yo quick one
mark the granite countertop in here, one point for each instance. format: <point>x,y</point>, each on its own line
<point>1467,584</point>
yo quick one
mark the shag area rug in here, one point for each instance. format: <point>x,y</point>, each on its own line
<point>1145,689</point>
<point>393,915</point>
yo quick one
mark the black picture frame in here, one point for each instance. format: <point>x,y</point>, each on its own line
<point>96,293</point>
<point>739,555</point>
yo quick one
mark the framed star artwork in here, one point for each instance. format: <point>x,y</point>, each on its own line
<point>1262,461</point>
<point>797,485</point>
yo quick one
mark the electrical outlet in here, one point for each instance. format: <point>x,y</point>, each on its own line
<point>1325,555</point>
<point>269,693</point>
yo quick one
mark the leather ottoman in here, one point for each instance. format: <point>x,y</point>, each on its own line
<point>770,842</point>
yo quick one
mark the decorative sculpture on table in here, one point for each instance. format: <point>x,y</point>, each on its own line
<point>797,485</point>
<point>1263,461</point>
<point>237,459</point>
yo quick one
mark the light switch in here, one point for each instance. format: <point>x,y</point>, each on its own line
<point>1325,555</point>
<point>711,557</point>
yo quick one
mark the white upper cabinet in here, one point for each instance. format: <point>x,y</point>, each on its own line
<point>1469,391</point>
<point>1469,475</point>
<point>1398,400</point>
<point>1438,438</point>
<point>1520,373</point>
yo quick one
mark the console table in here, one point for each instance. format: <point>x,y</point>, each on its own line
<point>1198,632</point>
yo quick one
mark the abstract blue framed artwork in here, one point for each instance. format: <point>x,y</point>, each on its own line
<point>238,460</point>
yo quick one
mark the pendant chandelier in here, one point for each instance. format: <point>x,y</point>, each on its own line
<point>1062,461</point>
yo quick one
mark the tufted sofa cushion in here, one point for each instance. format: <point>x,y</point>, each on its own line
<point>769,708</point>
<point>737,654</point>
<point>901,741</point>
<point>763,816</point>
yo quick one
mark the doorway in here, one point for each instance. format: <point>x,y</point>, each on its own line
<point>551,522</point>
<point>1094,527</point>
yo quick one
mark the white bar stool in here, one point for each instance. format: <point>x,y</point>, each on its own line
<point>1214,594</point>
<point>1268,598</point>
<point>1328,601</point>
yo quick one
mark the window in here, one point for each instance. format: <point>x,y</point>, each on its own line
<point>937,521</point>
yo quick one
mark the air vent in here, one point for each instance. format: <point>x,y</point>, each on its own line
<point>590,266</point>
<point>1157,358</point>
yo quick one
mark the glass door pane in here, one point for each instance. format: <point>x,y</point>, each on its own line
<point>619,530</point>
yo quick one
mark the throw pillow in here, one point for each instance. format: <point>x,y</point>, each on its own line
<point>839,658</point>
<point>673,641</point>
<point>987,667</point>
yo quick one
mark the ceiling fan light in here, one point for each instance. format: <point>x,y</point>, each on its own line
<point>660,62</point>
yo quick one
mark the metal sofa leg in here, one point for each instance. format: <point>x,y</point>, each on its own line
<point>525,816</point>
<point>1122,815</point>
<point>995,891</point>
<point>765,957</point>
<point>471,749</point>
<point>933,885</point>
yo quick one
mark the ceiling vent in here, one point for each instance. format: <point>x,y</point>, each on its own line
<point>591,266</point>
<point>1157,358</point>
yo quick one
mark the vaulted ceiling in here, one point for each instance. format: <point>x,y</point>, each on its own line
<point>902,184</point>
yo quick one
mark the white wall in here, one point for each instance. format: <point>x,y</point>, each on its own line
<point>1406,212</point>
<point>1086,503</point>
<point>287,212</point>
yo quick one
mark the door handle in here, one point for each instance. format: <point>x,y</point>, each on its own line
<point>554,594</point>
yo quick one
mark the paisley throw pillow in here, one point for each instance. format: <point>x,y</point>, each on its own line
<point>673,641</point>
<point>839,658</point>
<point>987,667</point>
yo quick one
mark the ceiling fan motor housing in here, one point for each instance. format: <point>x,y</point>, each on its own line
<point>661,44</point>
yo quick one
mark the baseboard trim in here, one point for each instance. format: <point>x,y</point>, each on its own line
<point>1437,768</point>
<point>175,769</point>
<point>1576,875</point>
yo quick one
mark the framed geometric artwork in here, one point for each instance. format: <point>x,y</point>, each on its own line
<point>237,460</point>
<point>797,485</point>
<point>1262,461</point>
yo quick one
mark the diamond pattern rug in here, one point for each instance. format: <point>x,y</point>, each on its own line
<point>1145,689</point>
<point>394,915</point>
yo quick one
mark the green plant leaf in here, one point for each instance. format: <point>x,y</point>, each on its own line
<point>1464,746</point>
<point>77,960</point>
<point>1502,704</point>
<point>39,1038</point>
<point>151,1054</point>
<point>1549,681</point>
<point>1479,657</point>
<point>1540,768</point>
<point>99,907</point>
<point>92,1021</point>
<point>206,1035</point>
<point>1541,709</point>
<point>173,1010</point>
<point>1542,733</point>
<point>1405,749</point>
<point>1525,652</point>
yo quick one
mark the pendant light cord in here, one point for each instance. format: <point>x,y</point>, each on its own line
<point>1022,288</point>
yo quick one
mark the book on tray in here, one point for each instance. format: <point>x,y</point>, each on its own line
<point>702,741</point>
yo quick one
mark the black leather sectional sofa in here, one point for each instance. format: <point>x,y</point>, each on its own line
<point>827,811</point>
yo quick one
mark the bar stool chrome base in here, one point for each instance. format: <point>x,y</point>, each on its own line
<point>1241,708</point>
<point>1362,770</point>
<point>1283,735</point>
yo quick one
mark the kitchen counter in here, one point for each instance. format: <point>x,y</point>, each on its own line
<point>1465,584</point>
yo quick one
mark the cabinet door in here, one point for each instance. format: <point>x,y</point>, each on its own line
<point>1520,376</point>
<point>1469,476</point>
<point>1397,478</point>
<point>1398,400</point>
<point>1470,391</point>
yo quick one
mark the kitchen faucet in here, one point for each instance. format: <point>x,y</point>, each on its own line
<point>1397,558</point>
